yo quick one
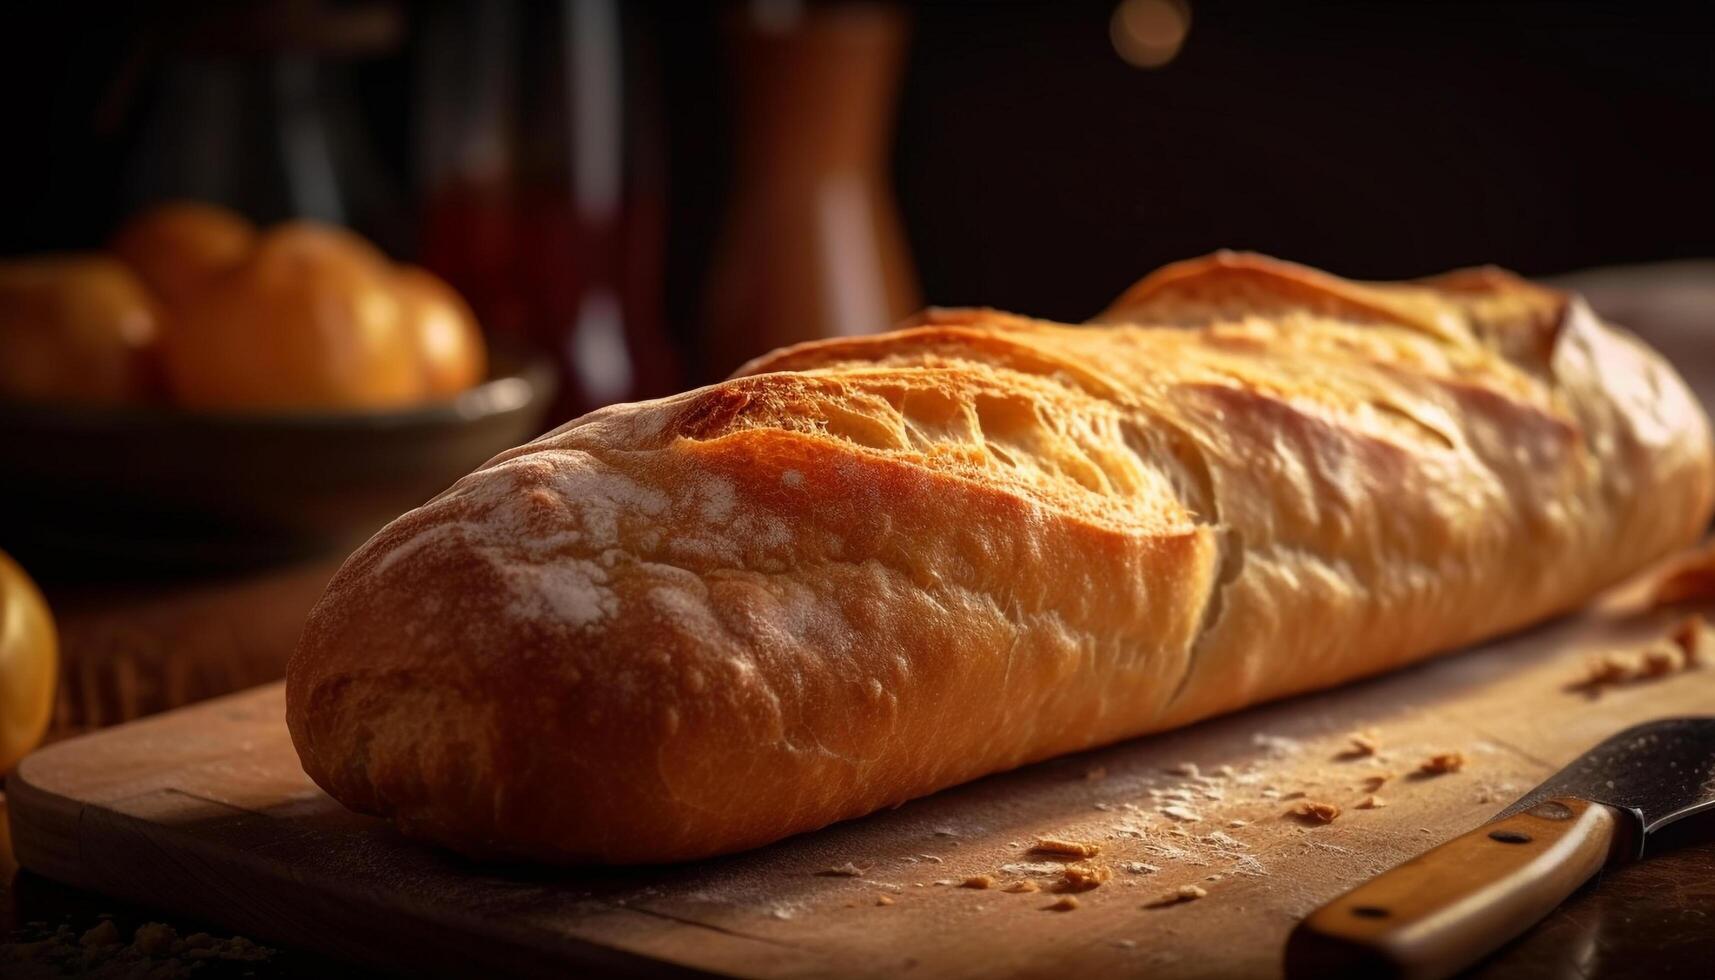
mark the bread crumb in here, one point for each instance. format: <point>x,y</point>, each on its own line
<point>1362,744</point>
<point>1021,886</point>
<point>1238,823</point>
<point>1442,762</point>
<point>1066,903</point>
<point>1184,893</point>
<point>884,899</point>
<point>1613,668</point>
<point>1074,848</point>
<point>1375,781</point>
<point>1140,868</point>
<point>847,870</point>
<point>978,881</point>
<point>1226,772</point>
<point>1181,813</point>
<point>1188,769</point>
<point>1659,661</point>
<point>1681,649</point>
<point>1316,812</point>
<point>1692,636</point>
<point>1082,877</point>
<point>1372,802</point>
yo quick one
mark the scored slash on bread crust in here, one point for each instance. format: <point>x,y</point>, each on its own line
<point>872,567</point>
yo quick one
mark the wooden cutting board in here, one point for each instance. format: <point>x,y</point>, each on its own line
<point>206,813</point>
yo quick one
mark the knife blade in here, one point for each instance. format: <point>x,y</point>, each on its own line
<point>1447,908</point>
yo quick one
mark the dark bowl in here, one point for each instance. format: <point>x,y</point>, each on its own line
<point>98,493</point>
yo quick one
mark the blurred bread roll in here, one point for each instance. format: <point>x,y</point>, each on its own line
<point>76,328</point>
<point>301,315</point>
<point>177,248</point>
<point>310,319</point>
<point>450,350</point>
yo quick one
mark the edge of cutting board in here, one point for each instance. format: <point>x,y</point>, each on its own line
<point>186,870</point>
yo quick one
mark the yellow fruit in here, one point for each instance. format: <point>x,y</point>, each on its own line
<point>75,328</point>
<point>29,664</point>
<point>178,248</point>
<point>310,320</point>
<point>449,346</point>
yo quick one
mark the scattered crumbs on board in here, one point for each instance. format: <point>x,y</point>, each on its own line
<point>1694,637</point>
<point>1442,762</point>
<point>1684,647</point>
<point>1659,661</point>
<point>1083,876</point>
<point>1072,848</point>
<point>1316,812</point>
<point>1184,893</point>
<point>1361,744</point>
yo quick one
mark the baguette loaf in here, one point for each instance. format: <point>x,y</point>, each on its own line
<point>866,569</point>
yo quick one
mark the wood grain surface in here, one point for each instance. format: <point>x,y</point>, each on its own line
<point>131,649</point>
<point>205,812</point>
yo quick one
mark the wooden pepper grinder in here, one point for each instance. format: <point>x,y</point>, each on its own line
<point>813,245</point>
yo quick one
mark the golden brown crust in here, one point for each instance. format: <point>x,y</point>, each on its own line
<point>685,627</point>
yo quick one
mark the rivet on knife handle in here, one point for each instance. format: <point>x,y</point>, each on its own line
<point>1444,910</point>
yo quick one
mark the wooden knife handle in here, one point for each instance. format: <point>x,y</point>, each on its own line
<point>1445,909</point>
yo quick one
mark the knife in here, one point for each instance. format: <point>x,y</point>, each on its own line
<point>1444,910</point>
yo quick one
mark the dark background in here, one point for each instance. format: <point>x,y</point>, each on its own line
<point>1037,171</point>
